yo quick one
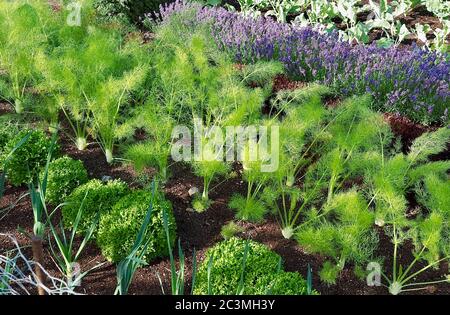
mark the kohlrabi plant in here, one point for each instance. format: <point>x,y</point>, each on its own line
<point>248,8</point>
<point>280,9</point>
<point>320,14</point>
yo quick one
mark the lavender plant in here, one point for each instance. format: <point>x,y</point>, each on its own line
<point>413,82</point>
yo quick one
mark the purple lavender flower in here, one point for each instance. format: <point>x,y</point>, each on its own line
<point>399,79</point>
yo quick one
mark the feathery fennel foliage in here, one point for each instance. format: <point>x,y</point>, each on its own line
<point>194,82</point>
<point>252,207</point>
<point>356,129</point>
<point>342,231</point>
<point>25,29</point>
<point>89,74</point>
<point>155,150</point>
<point>106,105</point>
<point>300,133</point>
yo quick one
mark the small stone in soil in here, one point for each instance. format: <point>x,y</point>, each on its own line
<point>192,191</point>
<point>106,178</point>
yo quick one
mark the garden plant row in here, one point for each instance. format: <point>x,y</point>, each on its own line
<point>345,189</point>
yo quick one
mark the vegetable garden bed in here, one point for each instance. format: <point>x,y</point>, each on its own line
<point>89,117</point>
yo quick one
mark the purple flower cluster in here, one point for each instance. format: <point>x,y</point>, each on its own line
<point>410,81</point>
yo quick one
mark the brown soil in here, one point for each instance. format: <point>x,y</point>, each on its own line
<point>282,82</point>
<point>196,230</point>
<point>406,129</point>
<point>5,108</point>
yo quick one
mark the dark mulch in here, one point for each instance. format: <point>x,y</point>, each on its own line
<point>199,231</point>
<point>5,108</point>
<point>282,82</point>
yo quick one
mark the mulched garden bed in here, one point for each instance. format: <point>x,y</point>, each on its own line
<point>196,230</point>
<point>200,231</point>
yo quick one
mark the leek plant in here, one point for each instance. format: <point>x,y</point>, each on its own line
<point>18,277</point>
<point>68,256</point>
<point>135,259</point>
<point>37,193</point>
<point>177,278</point>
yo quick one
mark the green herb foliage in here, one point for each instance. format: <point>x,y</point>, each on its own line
<point>64,175</point>
<point>390,179</point>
